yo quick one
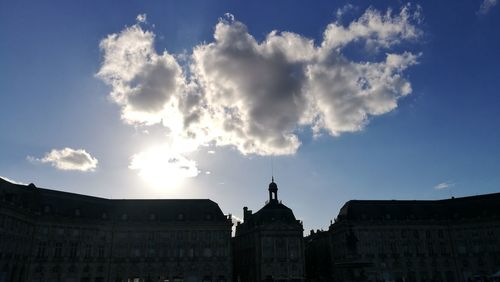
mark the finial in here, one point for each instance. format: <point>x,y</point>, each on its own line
<point>272,168</point>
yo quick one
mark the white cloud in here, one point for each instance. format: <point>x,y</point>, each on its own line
<point>344,10</point>
<point>235,220</point>
<point>375,29</point>
<point>68,159</point>
<point>144,83</point>
<point>486,6</point>
<point>444,185</point>
<point>256,95</point>
<point>141,18</point>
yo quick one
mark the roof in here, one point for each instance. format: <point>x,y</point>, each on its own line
<point>46,202</point>
<point>274,211</point>
<point>466,207</point>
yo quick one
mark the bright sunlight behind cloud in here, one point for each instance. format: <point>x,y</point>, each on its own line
<point>255,95</point>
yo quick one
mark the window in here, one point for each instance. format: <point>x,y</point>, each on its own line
<point>267,247</point>
<point>136,252</point>
<point>73,248</point>
<point>100,251</point>
<point>207,252</point>
<point>403,233</point>
<point>416,234</point>
<point>58,250</point>
<point>41,250</point>
<point>88,251</point>
<point>440,233</point>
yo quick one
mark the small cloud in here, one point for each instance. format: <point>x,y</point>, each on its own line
<point>208,172</point>
<point>141,18</point>
<point>486,6</point>
<point>229,17</point>
<point>345,9</point>
<point>68,159</point>
<point>211,152</point>
<point>444,185</point>
<point>235,220</point>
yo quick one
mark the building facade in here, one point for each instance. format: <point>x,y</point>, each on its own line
<point>449,240</point>
<point>268,245</point>
<point>47,235</point>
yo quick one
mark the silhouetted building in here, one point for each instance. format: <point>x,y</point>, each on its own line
<point>269,244</point>
<point>449,240</point>
<point>48,235</point>
<point>317,257</point>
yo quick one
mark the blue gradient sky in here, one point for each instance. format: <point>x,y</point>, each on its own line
<point>446,131</point>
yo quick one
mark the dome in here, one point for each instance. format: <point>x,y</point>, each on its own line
<point>274,211</point>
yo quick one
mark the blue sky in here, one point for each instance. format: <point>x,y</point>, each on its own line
<point>56,85</point>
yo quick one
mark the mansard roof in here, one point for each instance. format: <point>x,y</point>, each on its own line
<point>52,203</point>
<point>472,207</point>
<point>274,211</point>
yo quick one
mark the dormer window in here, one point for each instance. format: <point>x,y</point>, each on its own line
<point>208,216</point>
<point>104,215</point>
<point>152,216</point>
<point>124,216</point>
<point>46,209</point>
<point>180,216</point>
<point>77,212</point>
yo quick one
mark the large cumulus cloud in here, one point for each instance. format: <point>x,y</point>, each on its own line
<point>143,81</point>
<point>256,95</point>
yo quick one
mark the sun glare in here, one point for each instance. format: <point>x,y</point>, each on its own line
<point>163,168</point>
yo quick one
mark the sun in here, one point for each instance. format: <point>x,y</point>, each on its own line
<point>162,167</point>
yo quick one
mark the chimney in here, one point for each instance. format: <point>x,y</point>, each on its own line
<point>246,213</point>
